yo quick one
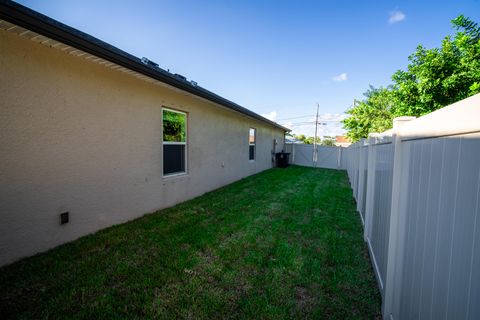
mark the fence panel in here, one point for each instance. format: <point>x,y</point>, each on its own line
<point>442,241</point>
<point>362,181</point>
<point>328,157</point>
<point>378,233</point>
<point>419,197</point>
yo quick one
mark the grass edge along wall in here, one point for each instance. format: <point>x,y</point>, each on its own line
<point>84,138</point>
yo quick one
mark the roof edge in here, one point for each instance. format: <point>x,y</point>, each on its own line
<point>46,26</point>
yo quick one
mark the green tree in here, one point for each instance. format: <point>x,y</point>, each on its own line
<point>433,79</point>
<point>373,114</point>
<point>300,137</point>
<point>310,140</point>
<point>466,25</point>
<point>327,141</point>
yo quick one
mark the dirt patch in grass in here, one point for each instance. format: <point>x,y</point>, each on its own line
<point>303,299</point>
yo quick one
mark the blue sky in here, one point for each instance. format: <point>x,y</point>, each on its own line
<point>277,58</point>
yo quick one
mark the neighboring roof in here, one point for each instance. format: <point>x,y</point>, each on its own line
<point>292,140</point>
<point>48,27</point>
<point>342,139</point>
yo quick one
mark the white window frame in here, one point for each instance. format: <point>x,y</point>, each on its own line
<point>254,144</point>
<point>168,175</point>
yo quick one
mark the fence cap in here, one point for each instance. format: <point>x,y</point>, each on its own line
<point>382,137</point>
<point>458,118</point>
<point>400,121</point>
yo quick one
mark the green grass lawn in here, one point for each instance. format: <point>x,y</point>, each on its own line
<point>285,243</point>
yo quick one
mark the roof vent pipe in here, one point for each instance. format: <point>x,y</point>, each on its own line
<point>149,62</point>
<point>179,76</point>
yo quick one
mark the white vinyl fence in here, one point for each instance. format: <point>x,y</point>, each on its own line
<point>370,168</point>
<point>302,155</point>
<point>417,189</point>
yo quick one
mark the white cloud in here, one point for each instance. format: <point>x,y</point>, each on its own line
<point>270,116</point>
<point>341,77</point>
<point>396,16</point>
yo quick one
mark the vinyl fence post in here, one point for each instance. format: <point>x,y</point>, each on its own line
<point>396,242</point>
<point>398,215</point>
<point>370,192</point>
<point>339,159</point>
<point>293,153</point>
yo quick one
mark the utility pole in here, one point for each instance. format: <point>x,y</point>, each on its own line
<point>315,151</point>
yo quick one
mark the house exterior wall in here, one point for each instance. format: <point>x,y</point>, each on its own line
<point>79,137</point>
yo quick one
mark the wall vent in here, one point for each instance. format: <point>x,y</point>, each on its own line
<point>64,217</point>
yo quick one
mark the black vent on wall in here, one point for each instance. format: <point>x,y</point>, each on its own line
<point>64,217</point>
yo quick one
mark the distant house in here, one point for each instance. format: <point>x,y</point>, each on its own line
<point>92,136</point>
<point>342,141</point>
<point>292,140</point>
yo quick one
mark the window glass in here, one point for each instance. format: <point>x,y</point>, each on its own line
<point>174,141</point>
<point>251,143</point>
<point>251,137</point>
<point>173,158</point>
<point>174,124</point>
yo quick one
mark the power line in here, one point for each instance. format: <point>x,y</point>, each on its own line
<point>302,123</point>
<point>315,150</point>
<point>324,122</point>
<point>299,117</point>
<point>310,115</point>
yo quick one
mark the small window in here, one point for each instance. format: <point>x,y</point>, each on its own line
<point>174,141</point>
<point>251,143</point>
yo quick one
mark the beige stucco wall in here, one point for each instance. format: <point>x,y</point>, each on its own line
<point>79,137</point>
